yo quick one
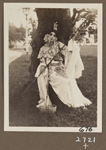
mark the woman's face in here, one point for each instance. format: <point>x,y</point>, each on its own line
<point>52,36</point>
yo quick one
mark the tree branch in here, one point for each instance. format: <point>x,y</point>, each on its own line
<point>79,15</point>
<point>73,23</point>
<point>74,14</point>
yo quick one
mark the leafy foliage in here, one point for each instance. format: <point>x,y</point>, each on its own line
<point>16,33</point>
<point>89,17</point>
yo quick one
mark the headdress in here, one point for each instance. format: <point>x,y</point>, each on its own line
<point>46,37</point>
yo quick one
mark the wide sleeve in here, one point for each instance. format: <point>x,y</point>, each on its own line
<point>42,64</point>
<point>41,54</point>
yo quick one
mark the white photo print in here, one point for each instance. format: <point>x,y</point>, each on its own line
<point>53,67</point>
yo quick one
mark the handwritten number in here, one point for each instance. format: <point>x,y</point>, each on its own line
<point>89,140</point>
<point>78,139</point>
<point>94,139</point>
<point>90,129</point>
<point>81,130</point>
<point>87,129</point>
<point>84,139</point>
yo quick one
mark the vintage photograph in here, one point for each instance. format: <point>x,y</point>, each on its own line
<point>52,67</point>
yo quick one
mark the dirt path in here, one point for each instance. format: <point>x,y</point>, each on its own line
<point>13,54</point>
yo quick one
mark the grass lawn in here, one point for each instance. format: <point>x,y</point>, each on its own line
<point>23,111</point>
<point>89,50</point>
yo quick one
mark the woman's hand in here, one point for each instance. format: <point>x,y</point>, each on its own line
<point>42,60</point>
<point>42,68</point>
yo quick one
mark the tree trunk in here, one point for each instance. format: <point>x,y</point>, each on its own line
<point>46,19</point>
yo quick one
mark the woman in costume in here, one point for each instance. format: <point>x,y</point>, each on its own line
<point>62,77</point>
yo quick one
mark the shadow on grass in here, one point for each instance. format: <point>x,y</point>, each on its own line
<point>23,111</point>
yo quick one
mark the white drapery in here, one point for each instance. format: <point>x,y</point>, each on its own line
<point>73,62</point>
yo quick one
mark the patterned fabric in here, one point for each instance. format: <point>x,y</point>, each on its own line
<point>48,53</point>
<point>59,69</point>
<point>51,51</point>
<point>43,52</point>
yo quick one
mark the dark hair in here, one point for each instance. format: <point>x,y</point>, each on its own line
<point>54,32</point>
